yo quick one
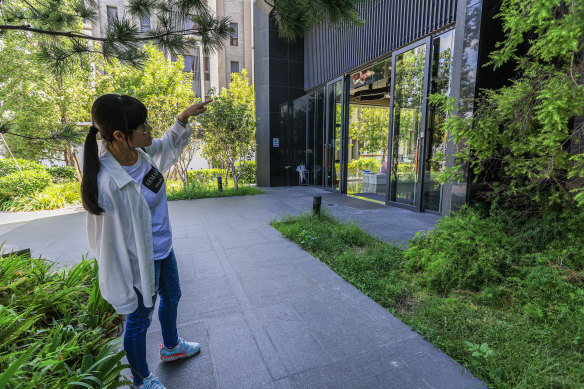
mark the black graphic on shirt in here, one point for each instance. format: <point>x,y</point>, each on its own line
<point>153,180</point>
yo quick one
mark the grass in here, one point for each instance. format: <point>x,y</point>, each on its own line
<point>524,329</point>
<point>175,191</point>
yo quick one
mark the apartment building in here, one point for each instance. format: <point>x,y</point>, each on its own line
<point>210,71</point>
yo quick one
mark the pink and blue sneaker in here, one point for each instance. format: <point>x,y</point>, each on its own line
<point>150,382</point>
<point>183,349</point>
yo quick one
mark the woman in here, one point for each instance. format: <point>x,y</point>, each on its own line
<point>128,227</point>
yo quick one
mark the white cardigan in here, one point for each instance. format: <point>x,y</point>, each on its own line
<point>121,238</point>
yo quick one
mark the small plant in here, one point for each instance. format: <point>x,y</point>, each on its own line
<point>55,329</point>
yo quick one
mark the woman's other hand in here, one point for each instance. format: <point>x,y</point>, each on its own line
<point>193,110</point>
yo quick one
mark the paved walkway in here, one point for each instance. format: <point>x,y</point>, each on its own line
<point>268,314</point>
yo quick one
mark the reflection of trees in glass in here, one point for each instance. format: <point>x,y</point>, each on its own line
<point>409,78</point>
<point>371,129</point>
<point>409,81</point>
<point>440,84</point>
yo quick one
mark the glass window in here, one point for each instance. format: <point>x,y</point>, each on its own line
<point>206,68</point>
<point>407,124</point>
<point>190,23</point>
<point>435,161</point>
<point>332,151</point>
<point>112,16</point>
<point>234,34</point>
<point>367,150</point>
<point>189,61</point>
<point>234,68</point>
<point>145,23</point>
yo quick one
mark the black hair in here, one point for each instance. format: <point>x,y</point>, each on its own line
<point>109,113</point>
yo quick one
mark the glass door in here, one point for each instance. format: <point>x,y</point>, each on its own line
<point>332,148</point>
<point>408,119</point>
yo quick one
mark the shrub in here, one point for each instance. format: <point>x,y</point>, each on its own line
<point>55,328</point>
<point>474,248</point>
<point>248,174</point>
<point>61,174</point>
<point>358,165</point>
<point>8,166</point>
<point>23,184</point>
<point>52,197</point>
<point>202,176</point>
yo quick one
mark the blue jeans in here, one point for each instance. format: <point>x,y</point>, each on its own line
<point>137,322</point>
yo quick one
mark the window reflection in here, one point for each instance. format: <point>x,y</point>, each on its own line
<point>440,81</point>
<point>407,124</point>
<point>368,131</point>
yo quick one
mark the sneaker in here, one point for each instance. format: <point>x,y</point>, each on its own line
<point>182,350</point>
<point>150,382</point>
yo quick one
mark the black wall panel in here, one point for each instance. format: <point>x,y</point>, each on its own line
<point>390,24</point>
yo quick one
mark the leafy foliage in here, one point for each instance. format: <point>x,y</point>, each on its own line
<point>294,17</point>
<point>358,165</point>
<point>55,328</point>
<point>40,108</point>
<point>22,184</point>
<point>62,174</point>
<point>229,125</point>
<point>248,171</point>
<point>60,23</point>
<point>52,197</point>
<point>521,131</point>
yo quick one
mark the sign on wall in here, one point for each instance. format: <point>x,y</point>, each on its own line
<point>276,142</point>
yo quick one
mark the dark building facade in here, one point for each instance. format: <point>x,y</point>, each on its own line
<point>350,105</point>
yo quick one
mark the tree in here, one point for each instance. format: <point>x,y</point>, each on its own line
<point>371,129</point>
<point>178,22</point>
<point>229,125</point>
<point>36,103</point>
<point>294,18</point>
<point>522,131</point>
<point>162,86</point>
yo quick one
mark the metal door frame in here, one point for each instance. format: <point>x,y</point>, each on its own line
<point>326,134</point>
<point>425,87</point>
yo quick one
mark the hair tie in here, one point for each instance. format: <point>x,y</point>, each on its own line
<point>93,130</point>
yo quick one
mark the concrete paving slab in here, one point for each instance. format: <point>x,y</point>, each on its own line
<point>237,359</point>
<point>374,368</point>
<point>297,348</point>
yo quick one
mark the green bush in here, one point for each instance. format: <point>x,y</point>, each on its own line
<point>208,190</point>
<point>473,248</point>
<point>61,174</point>
<point>55,329</point>
<point>23,184</point>
<point>8,166</point>
<point>248,174</point>
<point>358,165</point>
<point>202,176</point>
<point>52,197</point>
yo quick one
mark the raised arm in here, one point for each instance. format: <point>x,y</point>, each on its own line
<point>166,150</point>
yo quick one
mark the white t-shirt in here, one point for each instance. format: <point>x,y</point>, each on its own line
<point>154,191</point>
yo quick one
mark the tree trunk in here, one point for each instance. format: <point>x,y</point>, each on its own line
<point>235,178</point>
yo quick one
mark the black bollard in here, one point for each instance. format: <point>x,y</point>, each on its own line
<point>316,202</point>
<point>219,184</point>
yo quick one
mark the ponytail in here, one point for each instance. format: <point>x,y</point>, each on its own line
<point>91,167</point>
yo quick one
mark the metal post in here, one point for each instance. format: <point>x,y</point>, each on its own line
<point>316,202</point>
